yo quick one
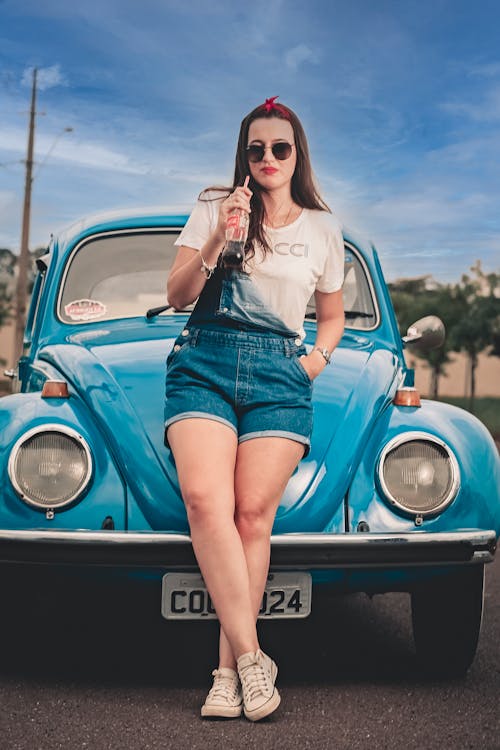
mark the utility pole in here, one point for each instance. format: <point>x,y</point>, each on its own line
<point>22,277</point>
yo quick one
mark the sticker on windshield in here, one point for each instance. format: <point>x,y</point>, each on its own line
<point>85,309</point>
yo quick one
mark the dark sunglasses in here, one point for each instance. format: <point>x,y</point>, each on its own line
<point>281,151</point>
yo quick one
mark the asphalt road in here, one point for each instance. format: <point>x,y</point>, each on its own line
<point>95,666</point>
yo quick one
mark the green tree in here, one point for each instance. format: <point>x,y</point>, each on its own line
<point>416,298</point>
<point>479,326</point>
<point>8,268</point>
<point>7,281</point>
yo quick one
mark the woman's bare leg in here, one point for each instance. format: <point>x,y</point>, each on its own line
<point>263,468</point>
<point>205,457</point>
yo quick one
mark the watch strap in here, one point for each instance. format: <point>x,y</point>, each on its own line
<point>324,351</point>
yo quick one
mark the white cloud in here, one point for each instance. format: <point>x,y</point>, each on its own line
<point>487,70</point>
<point>95,156</point>
<point>83,153</point>
<point>483,109</point>
<point>10,218</point>
<point>439,216</point>
<point>433,208</point>
<point>300,54</point>
<point>13,140</point>
<point>47,78</point>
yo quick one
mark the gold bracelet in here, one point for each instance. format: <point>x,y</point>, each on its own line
<point>205,268</point>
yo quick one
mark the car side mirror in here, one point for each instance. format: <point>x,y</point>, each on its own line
<point>426,333</point>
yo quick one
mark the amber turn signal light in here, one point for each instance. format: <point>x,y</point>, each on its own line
<point>407,396</point>
<point>55,389</point>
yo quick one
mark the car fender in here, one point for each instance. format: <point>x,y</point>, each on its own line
<point>106,493</point>
<point>477,503</point>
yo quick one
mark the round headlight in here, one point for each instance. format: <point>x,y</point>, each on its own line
<point>50,466</point>
<point>419,473</point>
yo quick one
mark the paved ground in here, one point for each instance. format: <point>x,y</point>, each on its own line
<point>80,670</point>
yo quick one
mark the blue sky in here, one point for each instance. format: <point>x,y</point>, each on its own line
<point>400,101</point>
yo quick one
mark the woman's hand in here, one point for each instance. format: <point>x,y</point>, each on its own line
<point>239,198</point>
<point>330,326</point>
<point>313,363</point>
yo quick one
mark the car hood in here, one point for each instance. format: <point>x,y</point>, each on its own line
<point>122,384</point>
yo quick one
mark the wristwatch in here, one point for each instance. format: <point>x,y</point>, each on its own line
<point>324,351</point>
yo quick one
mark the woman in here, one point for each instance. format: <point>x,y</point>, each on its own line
<point>238,414</point>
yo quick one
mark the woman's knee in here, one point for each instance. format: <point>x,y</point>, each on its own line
<point>253,519</point>
<point>204,506</point>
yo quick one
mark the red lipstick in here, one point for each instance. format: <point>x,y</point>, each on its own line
<point>269,170</point>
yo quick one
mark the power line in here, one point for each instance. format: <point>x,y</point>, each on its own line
<point>8,163</point>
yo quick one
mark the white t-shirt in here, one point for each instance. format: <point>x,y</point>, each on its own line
<point>307,255</point>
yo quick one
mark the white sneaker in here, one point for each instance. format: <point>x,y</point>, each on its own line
<point>258,673</point>
<point>224,698</point>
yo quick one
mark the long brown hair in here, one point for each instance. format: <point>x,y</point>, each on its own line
<point>303,188</point>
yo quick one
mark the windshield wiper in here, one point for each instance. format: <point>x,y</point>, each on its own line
<point>157,310</point>
<point>348,313</point>
<point>358,314</point>
<point>153,311</point>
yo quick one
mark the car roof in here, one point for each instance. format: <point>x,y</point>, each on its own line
<point>119,218</point>
<point>155,216</point>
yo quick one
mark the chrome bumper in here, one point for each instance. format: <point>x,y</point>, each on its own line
<point>292,551</point>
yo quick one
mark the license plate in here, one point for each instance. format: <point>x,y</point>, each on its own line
<point>185,597</point>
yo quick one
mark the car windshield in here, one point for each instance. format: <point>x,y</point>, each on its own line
<point>359,303</point>
<point>123,275</point>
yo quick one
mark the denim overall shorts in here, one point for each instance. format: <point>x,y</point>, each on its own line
<point>234,364</point>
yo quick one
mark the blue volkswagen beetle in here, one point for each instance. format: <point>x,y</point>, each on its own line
<point>397,494</point>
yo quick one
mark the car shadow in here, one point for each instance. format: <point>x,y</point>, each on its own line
<point>76,628</point>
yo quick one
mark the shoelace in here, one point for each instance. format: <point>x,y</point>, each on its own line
<point>254,680</point>
<point>224,686</point>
